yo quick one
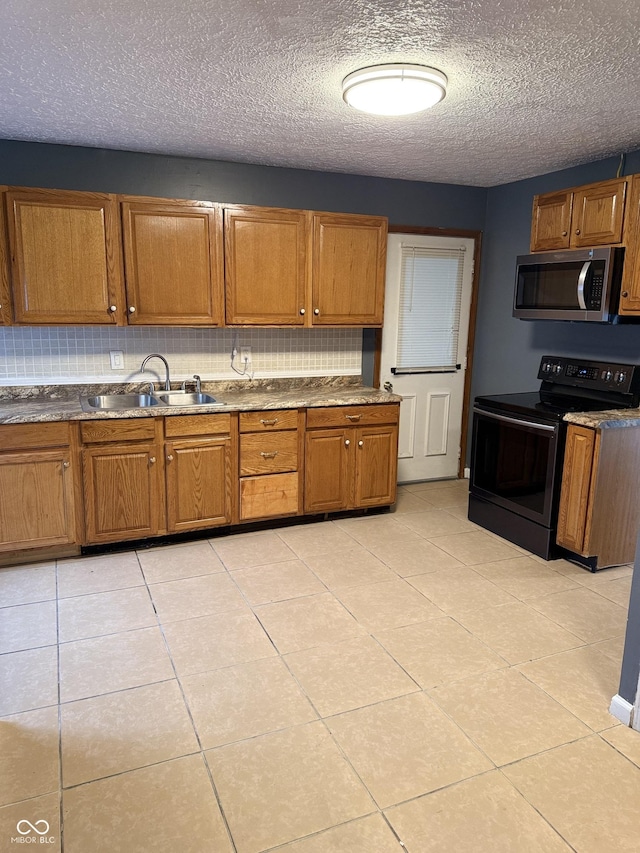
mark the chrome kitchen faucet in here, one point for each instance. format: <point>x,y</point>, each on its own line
<point>167,381</point>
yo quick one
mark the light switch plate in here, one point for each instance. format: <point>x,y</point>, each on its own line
<point>116,356</point>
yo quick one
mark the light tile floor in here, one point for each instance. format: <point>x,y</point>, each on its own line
<point>335,687</point>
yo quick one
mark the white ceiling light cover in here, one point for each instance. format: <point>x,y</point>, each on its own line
<point>394,89</point>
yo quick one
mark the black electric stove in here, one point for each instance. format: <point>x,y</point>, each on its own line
<point>518,446</point>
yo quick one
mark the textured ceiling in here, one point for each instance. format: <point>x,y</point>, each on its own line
<point>534,86</point>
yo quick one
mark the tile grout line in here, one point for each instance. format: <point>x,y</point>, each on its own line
<point>192,721</point>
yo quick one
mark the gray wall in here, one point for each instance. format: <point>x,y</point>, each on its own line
<point>508,351</point>
<point>631,658</point>
<point>403,202</point>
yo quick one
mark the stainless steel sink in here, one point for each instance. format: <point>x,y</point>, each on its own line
<point>117,402</point>
<point>183,398</point>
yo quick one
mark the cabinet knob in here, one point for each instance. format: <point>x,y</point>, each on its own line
<point>169,457</point>
<point>564,233</point>
<point>361,444</point>
<point>66,464</point>
<point>577,230</point>
<point>152,459</point>
<point>625,293</point>
<point>316,311</point>
<point>132,309</point>
<point>113,309</point>
<point>347,442</point>
<point>302,311</point>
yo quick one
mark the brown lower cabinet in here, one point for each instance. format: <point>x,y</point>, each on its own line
<point>599,511</point>
<point>38,470</point>
<point>271,463</point>
<point>147,476</point>
<point>349,466</point>
<point>101,481</point>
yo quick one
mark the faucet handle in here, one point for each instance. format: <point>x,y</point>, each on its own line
<point>198,383</point>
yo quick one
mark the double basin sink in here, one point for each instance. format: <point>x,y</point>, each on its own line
<point>120,402</point>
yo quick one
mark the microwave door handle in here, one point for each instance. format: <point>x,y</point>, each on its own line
<point>581,280</point>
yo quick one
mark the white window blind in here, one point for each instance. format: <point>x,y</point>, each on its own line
<point>429,310</point>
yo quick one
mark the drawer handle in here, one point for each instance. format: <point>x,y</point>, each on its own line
<point>271,455</point>
<point>353,417</point>
<point>266,422</point>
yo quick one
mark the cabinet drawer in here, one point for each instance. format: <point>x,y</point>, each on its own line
<point>266,421</point>
<point>275,494</point>
<point>25,436</point>
<point>339,416</point>
<point>268,454</point>
<point>186,425</point>
<point>126,429</point>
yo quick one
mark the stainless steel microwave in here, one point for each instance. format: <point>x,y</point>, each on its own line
<point>578,284</point>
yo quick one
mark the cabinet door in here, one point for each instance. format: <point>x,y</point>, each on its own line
<point>173,262</point>
<point>376,454</point>
<point>123,491</point>
<point>630,296</point>
<point>579,463</point>
<point>597,214</point>
<point>5,299</point>
<point>37,504</point>
<point>66,264</point>
<point>328,467</point>
<point>348,269</point>
<point>265,266</point>
<point>551,221</point>
<point>199,487</point>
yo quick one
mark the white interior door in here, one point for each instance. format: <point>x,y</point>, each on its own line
<point>424,344</point>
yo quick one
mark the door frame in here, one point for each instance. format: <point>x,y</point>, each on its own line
<point>476,236</point>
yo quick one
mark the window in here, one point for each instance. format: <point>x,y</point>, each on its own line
<point>429,310</point>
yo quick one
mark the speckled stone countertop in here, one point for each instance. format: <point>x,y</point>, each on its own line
<point>43,403</point>
<point>612,418</point>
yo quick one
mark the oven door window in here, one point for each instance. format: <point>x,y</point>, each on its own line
<point>514,465</point>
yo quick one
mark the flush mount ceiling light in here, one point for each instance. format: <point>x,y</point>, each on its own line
<point>394,90</point>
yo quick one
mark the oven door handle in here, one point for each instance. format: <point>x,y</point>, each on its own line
<point>581,280</point>
<point>544,427</point>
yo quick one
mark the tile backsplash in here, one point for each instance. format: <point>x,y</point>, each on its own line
<point>64,354</point>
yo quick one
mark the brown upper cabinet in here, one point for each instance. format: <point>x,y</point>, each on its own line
<point>580,217</point>
<point>348,269</point>
<point>94,258</point>
<point>265,266</point>
<point>630,295</point>
<point>297,268</point>
<point>5,297</point>
<point>173,262</point>
<point>66,262</point>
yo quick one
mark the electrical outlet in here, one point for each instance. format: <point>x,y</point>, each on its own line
<point>116,356</point>
<point>245,355</point>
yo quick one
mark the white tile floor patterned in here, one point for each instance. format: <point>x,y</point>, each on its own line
<point>335,687</point>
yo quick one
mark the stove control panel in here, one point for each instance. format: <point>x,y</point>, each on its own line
<point>598,375</point>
